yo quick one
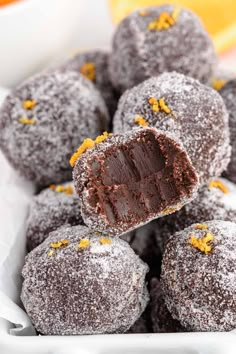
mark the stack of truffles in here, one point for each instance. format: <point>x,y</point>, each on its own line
<point>144,237</point>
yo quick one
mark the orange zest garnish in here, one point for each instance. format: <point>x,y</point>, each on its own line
<point>29,104</point>
<point>201,226</point>
<point>217,84</point>
<point>216,183</point>
<point>202,244</point>
<point>141,121</point>
<point>84,243</point>
<point>87,144</point>
<point>164,21</point>
<point>159,105</point>
<point>89,71</point>
<point>62,189</point>
<point>25,120</point>
<point>58,244</point>
<point>105,241</point>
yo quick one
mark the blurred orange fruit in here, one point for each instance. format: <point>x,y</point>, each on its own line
<point>6,2</point>
<point>218,16</point>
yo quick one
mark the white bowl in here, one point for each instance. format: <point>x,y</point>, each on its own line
<point>32,32</point>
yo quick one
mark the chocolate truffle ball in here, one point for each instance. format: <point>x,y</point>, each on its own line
<point>81,282</point>
<point>194,113</point>
<point>94,66</point>
<point>215,201</point>
<point>228,92</point>
<point>44,119</point>
<point>50,209</point>
<point>199,276</point>
<point>128,180</point>
<point>159,39</point>
<point>162,321</point>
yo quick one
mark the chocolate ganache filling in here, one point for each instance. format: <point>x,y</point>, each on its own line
<point>141,177</point>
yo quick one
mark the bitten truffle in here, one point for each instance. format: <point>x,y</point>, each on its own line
<point>43,120</point>
<point>94,66</point>
<point>162,321</point>
<point>159,39</point>
<point>199,276</point>
<point>215,201</point>
<point>50,209</point>
<point>194,113</point>
<point>228,92</point>
<point>127,180</point>
<point>82,282</point>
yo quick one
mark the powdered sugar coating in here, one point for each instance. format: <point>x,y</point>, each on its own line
<point>98,289</point>
<point>210,204</point>
<point>200,120</point>
<point>199,288</point>
<point>91,215</point>
<point>162,321</point>
<point>48,211</point>
<point>68,108</point>
<point>102,81</point>
<point>228,92</point>
<point>139,53</point>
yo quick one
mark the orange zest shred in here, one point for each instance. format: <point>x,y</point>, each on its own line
<point>29,104</point>
<point>201,226</point>
<point>217,84</point>
<point>58,244</point>
<point>170,210</point>
<point>216,183</point>
<point>141,121</point>
<point>84,243</point>
<point>89,71</point>
<point>159,105</point>
<point>163,106</point>
<point>154,103</point>
<point>105,241</point>
<point>87,144</point>
<point>25,120</point>
<point>50,253</point>
<point>202,244</point>
<point>164,21</point>
<point>62,189</point>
